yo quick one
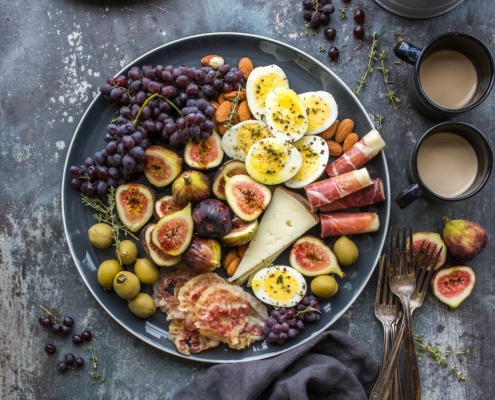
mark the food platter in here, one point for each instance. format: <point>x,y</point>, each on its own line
<point>305,74</point>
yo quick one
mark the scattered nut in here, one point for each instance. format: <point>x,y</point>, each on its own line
<point>241,250</point>
<point>223,111</point>
<point>328,133</point>
<point>220,128</point>
<point>230,256</point>
<point>243,111</point>
<point>213,58</point>
<point>232,95</point>
<point>214,104</point>
<point>221,98</point>
<point>344,129</point>
<point>232,267</point>
<point>246,66</point>
<point>350,141</point>
<point>334,148</point>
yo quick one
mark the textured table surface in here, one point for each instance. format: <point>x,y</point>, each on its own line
<point>55,54</point>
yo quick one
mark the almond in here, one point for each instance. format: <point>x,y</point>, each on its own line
<point>328,133</point>
<point>232,267</point>
<point>350,141</point>
<point>214,104</point>
<point>241,250</point>
<point>232,95</point>
<point>334,148</point>
<point>207,59</point>
<point>343,130</point>
<point>223,111</point>
<point>220,128</point>
<point>243,111</point>
<point>221,98</point>
<point>235,118</point>
<point>246,66</point>
<point>229,257</point>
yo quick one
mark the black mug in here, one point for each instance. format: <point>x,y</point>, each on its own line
<point>483,155</point>
<point>471,47</point>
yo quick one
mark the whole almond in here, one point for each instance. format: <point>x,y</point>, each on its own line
<point>350,141</point>
<point>229,257</point>
<point>246,66</point>
<point>232,95</point>
<point>334,148</point>
<point>214,104</point>
<point>235,118</point>
<point>221,98</point>
<point>223,111</point>
<point>343,130</point>
<point>241,250</point>
<point>243,111</point>
<point>207,59</point>
<point>328,133</point>
<point>232,267</point>
<point>220,128</point>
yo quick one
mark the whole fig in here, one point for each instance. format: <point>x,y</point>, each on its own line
<point>464,239</point>
<point>212,218</point>
<point>203,255</point>
<point>191,187</point>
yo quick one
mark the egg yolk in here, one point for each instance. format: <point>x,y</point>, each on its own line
<point>265,84</point>
<point>318,112</point>
<point>271,157</point>
<point>249,134</point>
<point>310,164</point>
<point>281,286</point>
<point>287,114</point>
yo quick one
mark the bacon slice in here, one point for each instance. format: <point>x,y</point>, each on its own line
<point>336,224</point>
<point>364,197</point>
<point>331,189</point>
<point>358,155</point>
<point>188,341</point>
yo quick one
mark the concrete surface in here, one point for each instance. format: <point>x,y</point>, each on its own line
<point>55,54</point>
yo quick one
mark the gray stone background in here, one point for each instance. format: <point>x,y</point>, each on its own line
<point>53,56</point>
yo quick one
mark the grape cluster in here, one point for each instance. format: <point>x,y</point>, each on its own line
<point>63,328</point>
<point>317,12</point>
<point>157,104</point>
<point>287,322</point>
<point>70,361</point>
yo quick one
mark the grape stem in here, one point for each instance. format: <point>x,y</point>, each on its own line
<point>159,96</point>
<point>307,310</point>
<point>48,312</point>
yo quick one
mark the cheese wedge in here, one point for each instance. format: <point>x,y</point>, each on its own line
<point>285,220</point>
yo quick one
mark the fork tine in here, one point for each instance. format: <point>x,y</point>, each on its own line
<point>419,254</point>
<point>424,284</point>
<point>411,253</point>
<point>423,267</point>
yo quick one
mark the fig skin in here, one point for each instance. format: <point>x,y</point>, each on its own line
<point>203,255</point>
<point>241,233</point>
<point>230,168</point>
<point>191,187</point>
<point>432,239</point>
<point>173,233</point>
<point>161,166</point>
<point>134,203</point>
<point>206,154</point>
<point>464,239</point>
<point>156,255</point>
<point>165,206</point>
<point>452,284</point>
<point>212,218</point>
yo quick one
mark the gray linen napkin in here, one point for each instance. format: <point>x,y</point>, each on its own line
<point>330,366</point>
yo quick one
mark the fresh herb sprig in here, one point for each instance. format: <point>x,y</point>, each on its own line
<point>369,66</point>
<point>380,119</point>
<point>391,97</point>
<point>235,105</point>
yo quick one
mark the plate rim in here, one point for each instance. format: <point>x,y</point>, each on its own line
<point>147,340</point>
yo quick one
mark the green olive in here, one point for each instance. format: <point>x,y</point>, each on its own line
<point>101,236</point>
<point>107,271</point>
<point>324,286</point>
<point>126,285</point>
<point>346,251</point>
<point>142,305</point>
<point>128,252</point>
<point>146,271</point>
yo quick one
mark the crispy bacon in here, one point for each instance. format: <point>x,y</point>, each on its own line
<point>332,189</point>
<point>188,341</point>
<point>336,224</point>
<point>358,155</point>
<point>364,197</point>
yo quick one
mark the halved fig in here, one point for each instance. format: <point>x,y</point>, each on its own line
<point>157,256</point>
<point>246,197</point>
<point>241,233</point>
<point>311,257</point>
<point>134,203</point>
<point>172,233</point>
<point>165,206</point>
<point>161,166</point>
<point>230,168</point>
<point>453,284</point>
<point>431,239</point>
<point>206,154</point>
<point>191,187</point>
<point>212,218</point>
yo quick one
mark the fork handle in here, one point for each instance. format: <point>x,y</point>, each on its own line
<point>396,388</point>
<point>412,382</point>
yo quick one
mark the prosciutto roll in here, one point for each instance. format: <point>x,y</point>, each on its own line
<point>364,197</point>
<point>332,189</point>
<point>336,224</point>
<point>358,155</point>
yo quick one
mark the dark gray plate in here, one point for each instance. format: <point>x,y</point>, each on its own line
<point>305,74</point>
<point>419,9</point>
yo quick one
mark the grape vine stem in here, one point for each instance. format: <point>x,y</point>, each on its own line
<point>154,96</point>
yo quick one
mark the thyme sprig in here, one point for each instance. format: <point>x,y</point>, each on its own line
<point>343,14</point>
<point>391,97</point>
<point>235,101</point>
<point>369,66</point>
<point>380,119</point>
<point>93,357</point>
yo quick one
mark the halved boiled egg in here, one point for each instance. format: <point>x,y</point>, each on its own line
<point>286,115</point>
<point>321,109</point>
<point>280,286</point>
<point>261,81</point>
<point>237,141</point>
<point>272,161</point>
<point>314,153</point>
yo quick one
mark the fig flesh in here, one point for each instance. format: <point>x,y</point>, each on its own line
<point>430,239</point>
<point>464,239</point>
<point>241,233</point>
<point>212,218</point>
<point>134,203</point>
<point>246,197</point>
<point>230,168</point>
<point>203,254</point>
<point>206,154</point>
<point>173,233</point>
<point>161,166</point>
<point>311,257</point>
<point>165,206</point>
<point>157,256</point>
<point>191,187</point>
<point>453,284</point>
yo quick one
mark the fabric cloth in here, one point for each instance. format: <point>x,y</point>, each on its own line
<point>330,366</point>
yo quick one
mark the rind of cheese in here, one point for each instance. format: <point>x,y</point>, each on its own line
<point>285,220</point>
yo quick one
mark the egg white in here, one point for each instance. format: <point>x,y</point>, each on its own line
<point>321,109</point>
<point>237,141</point>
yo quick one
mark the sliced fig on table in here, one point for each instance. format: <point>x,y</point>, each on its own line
<point>173,233</point>
<point>421,241</point>
<point>464,239</point>
<point>311,257</point>
<point>212,218</point>
<point>157,256</point>
<point>453,284</point>
<point>203,254</point>
<point>241,233</point>
<point>191,187</point>
<point>134,203</point>
<point>161,166</point>
<point>205,154</point>
<point>230,168</point>
<point>246,197</point>
<point>165,206</point>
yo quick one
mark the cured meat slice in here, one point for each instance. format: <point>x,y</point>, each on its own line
<point>188,341</point>
<point>364,197</point>
<point>331,189</point>
<point>175,276</point>
<point>336,224</point>
<point>358,155</point>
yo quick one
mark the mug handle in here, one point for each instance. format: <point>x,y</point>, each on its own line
<point>406,197</point>
<point>407,52</point>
